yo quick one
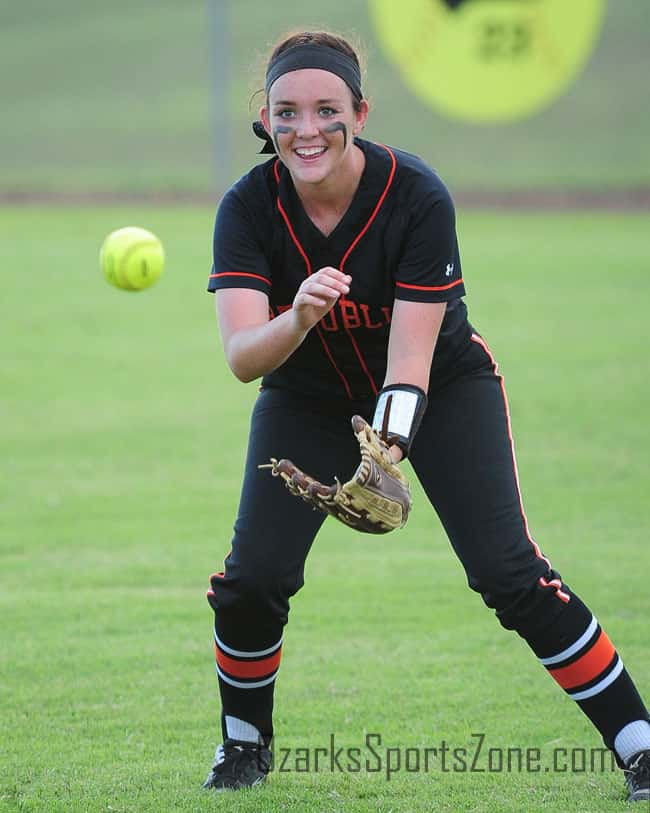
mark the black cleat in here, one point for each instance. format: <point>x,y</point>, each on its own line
<point>637,777</point>
<point>238,765</point>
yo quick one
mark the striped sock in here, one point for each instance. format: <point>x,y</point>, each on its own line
<point>579,656</point>
<point>586,667</point>
<point>247,669</point>
<point>246,685</point>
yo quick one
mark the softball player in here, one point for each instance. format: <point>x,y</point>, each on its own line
<point>338,275</point>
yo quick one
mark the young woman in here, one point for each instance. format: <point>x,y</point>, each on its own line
<point>337,274</point>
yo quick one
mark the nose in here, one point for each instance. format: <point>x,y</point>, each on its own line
<point>307,126</point>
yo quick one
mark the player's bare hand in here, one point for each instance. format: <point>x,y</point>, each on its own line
<point>396,453</point>
<point>317,296</point>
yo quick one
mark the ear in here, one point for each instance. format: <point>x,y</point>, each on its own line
<point>360,117</point>
<point>264,118</point>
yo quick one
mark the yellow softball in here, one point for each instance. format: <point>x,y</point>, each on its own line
<point>132,258</point>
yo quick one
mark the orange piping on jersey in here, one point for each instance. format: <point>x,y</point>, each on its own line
<point>240,274</point>
<point>285,217</point>
<point>377,207</point>
<point>297,244</point>
<point>380,202</point>
<point>331,358</point>
<point>542,581</point>
<point>588,667</point>
<point>430,287</point>
<point>362,362</point>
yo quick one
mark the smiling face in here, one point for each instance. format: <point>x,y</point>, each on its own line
<point>312,120</point>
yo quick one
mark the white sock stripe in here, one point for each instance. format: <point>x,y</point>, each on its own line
<point>241,730</point>
<point>240,685</point>
<point>241,654</point>
<point>571,650</point>
<point>599,687</point>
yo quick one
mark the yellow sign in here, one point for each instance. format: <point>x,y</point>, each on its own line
<point>488,60</point>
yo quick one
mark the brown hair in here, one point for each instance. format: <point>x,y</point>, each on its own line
<point>325,38</point>
<point>315,38</point>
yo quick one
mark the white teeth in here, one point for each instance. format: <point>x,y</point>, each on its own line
<point>309,151</point>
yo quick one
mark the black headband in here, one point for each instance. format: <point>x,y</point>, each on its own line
<point>309,55</point>
<point>312,55</point>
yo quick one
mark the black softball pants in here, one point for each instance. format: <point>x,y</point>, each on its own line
<point>463,456</point>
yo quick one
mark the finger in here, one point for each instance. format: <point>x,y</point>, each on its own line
<point>307,299</point>
<point>326,287</point>
<point>322,290</point>
<point>334,274</point>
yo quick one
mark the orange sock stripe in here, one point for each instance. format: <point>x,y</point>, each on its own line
<point>248,669</point>
<point>588,667</point>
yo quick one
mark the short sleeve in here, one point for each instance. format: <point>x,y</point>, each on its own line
<point>429,267</point>
<point>238,258</point>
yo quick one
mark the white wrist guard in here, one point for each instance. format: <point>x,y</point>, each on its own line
<point>398,414</point>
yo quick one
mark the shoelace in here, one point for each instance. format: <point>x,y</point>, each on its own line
<point>639,770</point>
<point>238,753</point>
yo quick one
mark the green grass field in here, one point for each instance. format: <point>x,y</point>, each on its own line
<point>122,439</point>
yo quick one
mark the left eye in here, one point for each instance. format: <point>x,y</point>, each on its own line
<point>327,111</point>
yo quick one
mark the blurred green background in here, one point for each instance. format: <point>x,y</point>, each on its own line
<point>120,97</point>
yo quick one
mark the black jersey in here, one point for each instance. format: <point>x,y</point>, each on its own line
<point>397,240</point>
